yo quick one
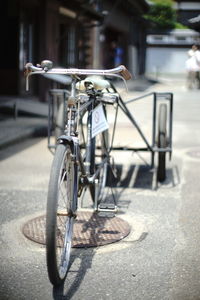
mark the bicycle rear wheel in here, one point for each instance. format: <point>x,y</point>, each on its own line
<point>61,205</point>
<point>99,164</point>
<point>162,142</point>
<point>95,153</point>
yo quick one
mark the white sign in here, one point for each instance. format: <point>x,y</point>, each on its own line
<point>99,122</point>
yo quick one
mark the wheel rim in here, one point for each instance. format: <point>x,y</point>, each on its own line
<point>63,234</point>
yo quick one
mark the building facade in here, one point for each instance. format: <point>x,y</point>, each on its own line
<point>78,33</point>
<point>167,51</point>
<point>187,9</point>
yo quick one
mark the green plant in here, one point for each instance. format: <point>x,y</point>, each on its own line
<point>162,15</point>
<point>180,26</point>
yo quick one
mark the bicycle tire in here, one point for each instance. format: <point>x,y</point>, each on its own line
<point>61,205</point>
<point>162,142</point>
<point>100,152</point>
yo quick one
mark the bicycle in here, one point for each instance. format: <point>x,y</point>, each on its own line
<point>80,160</point>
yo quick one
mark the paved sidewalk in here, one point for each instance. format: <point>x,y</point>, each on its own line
<point>13,131</point>
<point>30,119</point>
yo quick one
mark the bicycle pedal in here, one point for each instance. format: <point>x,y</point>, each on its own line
<point>106,214</point>
<point>107,206</point>
<point>107,210</point>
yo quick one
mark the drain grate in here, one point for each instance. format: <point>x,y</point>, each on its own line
<point>90,230</point>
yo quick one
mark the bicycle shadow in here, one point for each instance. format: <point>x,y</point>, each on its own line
<point>135,178</point>
<point>81,262</point>
<point>142,177</point>
<point>66,291</point>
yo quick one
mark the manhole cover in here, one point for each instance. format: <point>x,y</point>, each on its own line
<point>90,230</point>
<point>194,153</point>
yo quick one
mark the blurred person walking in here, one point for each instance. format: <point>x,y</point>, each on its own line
<point>192,51</point>
<point>193,68</point>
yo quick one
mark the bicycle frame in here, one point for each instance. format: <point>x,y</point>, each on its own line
<point>122,73</point>
<point>71,136</point>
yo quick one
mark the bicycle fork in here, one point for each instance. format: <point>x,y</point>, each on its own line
<point>74,145</point>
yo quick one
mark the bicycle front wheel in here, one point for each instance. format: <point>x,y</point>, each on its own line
<point>61,206</point>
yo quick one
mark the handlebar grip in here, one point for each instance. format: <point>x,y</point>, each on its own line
<point>125,73</point>
<point>28,67</point>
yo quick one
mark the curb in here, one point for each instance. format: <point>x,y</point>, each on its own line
<point>38,131</point>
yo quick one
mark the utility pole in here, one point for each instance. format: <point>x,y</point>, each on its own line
<point>96,40</point>
<point>96,47</point>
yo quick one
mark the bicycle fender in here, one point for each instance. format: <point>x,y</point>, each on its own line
<point>64,139</point>
<point>71,141</point>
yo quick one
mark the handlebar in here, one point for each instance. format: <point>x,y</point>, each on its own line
<point>46,67</point>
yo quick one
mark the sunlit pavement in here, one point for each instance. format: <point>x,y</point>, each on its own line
<point>159,259</point>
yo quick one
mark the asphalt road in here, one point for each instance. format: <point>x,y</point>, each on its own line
<point>160,259</point>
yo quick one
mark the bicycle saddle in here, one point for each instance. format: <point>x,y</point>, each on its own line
<point>97,82</point>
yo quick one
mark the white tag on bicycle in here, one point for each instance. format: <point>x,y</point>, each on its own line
<point>99,122</point>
